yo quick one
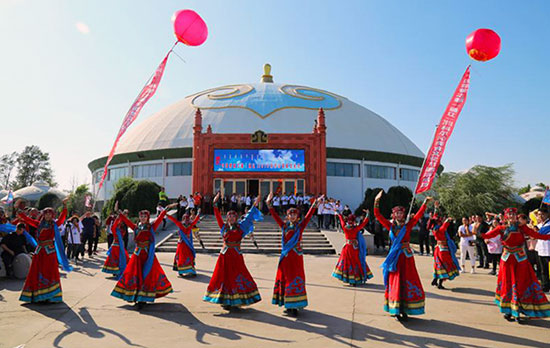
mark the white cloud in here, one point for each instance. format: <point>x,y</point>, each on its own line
<point>82,28</point>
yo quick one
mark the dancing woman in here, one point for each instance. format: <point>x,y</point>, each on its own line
<point>352,267</point>
<point>518,289</point>
<point>184,260</point>
<point>404,294</point>
<point>290,282</point>
<point>117,256</point>
<point>231,284</point>
<point>446,265</point>
<point>43,283</point>
<point>143,279</point>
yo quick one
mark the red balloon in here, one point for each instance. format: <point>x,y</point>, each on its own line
<point>189,27</point>
<point>483,45</point>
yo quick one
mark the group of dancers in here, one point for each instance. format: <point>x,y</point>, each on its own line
<point>141,279</point>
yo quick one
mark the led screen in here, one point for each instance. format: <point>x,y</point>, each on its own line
<point>245,160</point>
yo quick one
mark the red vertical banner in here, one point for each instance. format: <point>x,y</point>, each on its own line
<point>146,93</point>
<point>443,133</point>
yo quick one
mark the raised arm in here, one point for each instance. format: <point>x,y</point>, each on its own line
<point>363,223</point>
<point>127,221</point>
<point>383,221</point>
<point>444,227</point>
<point>115,224</point>
<point>195,221</point>
<point>176,222</point>
<point>218,216</point>
<point>494,232</point>
<point>61,219</point>
<point>342,222</point>
<point>28,220</point>
<point>533,234</point>
<point>276,216</point>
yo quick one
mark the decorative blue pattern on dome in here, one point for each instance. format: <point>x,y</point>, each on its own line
<point>266,98</point>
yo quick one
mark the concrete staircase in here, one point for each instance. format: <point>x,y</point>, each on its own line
<point>267,234</point>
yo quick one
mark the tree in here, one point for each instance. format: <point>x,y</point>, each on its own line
<point>134,195</point>
<point>524,189</point>
<point>7,163</point>
<point>33,165</point>
<point>396,195</point>
<point>476,191</point>
<point>49,200</point>
<point>77,200</point>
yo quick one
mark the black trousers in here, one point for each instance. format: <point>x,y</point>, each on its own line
<point>88,239</point>
<point>320,220</point>
<point>533,257</point>
<point>544,277</point>
<point>495,258</point>
<point>96,242</point>
<point>379,240</point>
<point>73,251</point>
<point>424,240</point>
<point>482,252</point>
<point>8,260</point>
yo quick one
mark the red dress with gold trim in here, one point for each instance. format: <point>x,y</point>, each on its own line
<point>444,266</point>
<point>290,282</point>
<point>404,293</point>
<point>348,268</point>
<point>132,286</point>
<point>184,260</point>
<point>231,283</point>
<point>43,282</point>
<point>111,264</point>
<point>518,289</point>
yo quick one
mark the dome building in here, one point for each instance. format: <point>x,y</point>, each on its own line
<point>261,137</point>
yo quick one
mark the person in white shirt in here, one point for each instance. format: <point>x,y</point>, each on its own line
<point>467,244</point>
<point>190,204</point>
<point>160,209</point>
<point>543,247</point>
<point>277,203</point>
<point>73,228</point>
<point>328,211</point>
<point>292,201</point>
<point>321,213</point>
<point>248,201</point>
<point>300,200</point>
<point>284,203</point>
<point>183,205</point>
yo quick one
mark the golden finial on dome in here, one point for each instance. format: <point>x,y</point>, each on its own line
<point>266,77</point>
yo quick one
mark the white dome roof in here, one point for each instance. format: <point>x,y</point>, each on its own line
<point>272,108</point>
<point>37,190</point>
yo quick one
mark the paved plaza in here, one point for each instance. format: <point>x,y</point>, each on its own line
<point>338,316</point>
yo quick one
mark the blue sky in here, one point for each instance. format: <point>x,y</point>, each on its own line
<point>66,86</point>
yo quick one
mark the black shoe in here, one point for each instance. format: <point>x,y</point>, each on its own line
<point>492,273</point>
<point>434,282</point>
<point>508,317</point>
<point>519,320</point>
<point>404,317</point>
<point>486,267</point>
<point>227,307</point>
<point>140,305</point>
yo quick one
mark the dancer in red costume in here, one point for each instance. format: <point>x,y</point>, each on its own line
<point>404,294</point>
<point>184,260</point>
<point>446,265</point>
<point>231,284</point>
<point>290,282</point>
<point>352,267</point>
<point>518,289</point>
<point>143,279</point>
<point>117,256</point>
<point>43,283</point>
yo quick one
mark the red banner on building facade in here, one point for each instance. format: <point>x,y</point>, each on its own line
<point>443,133</point>
<point>146,93</point>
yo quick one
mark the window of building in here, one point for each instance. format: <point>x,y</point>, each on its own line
<point>97,176</point>
<point>147,171</point>
<point>409,174</point>
<point>179,169</point>
<point>116,173</point>
<point>379,172</point>
<point>342,169</point>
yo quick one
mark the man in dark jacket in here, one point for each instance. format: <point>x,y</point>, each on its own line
<point>480,227</point>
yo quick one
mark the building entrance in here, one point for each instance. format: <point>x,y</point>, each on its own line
<point>260,187</point>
